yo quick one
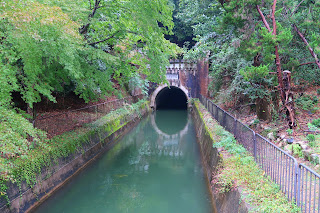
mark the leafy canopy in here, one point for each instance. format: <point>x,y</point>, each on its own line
<point>43,49</point>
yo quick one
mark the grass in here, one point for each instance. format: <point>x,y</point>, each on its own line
<point>239,170</point>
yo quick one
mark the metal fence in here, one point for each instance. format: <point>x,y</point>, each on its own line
<point>300,183</point>
<point>57,123</point>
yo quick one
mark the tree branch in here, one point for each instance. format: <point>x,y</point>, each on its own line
<point>84,28</point>
<point>296,7</point>
<point>263,19</point>
<point>307,63</point>
<point>274,23</point>
<point>314,55</point>
<point>106,39</point>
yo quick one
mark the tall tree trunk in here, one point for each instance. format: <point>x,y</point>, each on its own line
<point>284,93</point>
<point>32,113</point>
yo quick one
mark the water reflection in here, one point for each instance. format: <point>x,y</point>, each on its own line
<point>149,170</point>
<point>170,121</point>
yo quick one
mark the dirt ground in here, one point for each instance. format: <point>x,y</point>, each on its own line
<point>71,112</point>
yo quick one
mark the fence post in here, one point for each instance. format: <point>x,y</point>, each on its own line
<point>217,113</point>
<point>96,111</point>
<point>254,146</point>
<point>297,183</point>
<point>235,128</point>
<point>224,121</point>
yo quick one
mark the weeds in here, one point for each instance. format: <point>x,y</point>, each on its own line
<point>307,102</point>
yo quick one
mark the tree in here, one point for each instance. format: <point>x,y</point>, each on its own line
<point>43,49</point>
<point>182,32</point>
<point>276,34</point>
<point>50,45</point>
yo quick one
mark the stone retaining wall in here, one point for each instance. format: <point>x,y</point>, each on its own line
<point>229,202</point>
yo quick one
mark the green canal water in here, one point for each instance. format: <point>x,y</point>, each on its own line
<point>154,168</point>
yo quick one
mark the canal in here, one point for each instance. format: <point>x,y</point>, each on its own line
<point>156,167</point>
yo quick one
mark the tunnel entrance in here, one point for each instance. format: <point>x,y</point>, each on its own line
<point>171,98</point>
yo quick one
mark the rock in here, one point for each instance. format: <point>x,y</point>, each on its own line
<point>281,144</point>
<point>289,140</point>
<point>307,154</point>
<point>288,149</point>
<point>303,144</point>
<point>282,136</point>
<point>315,158</point>
<point>250,122</point>
<point>265,127</point>
<point>270,136</point>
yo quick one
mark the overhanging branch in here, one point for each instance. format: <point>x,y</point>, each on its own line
<point>314,55</point>
<point>106,39</point>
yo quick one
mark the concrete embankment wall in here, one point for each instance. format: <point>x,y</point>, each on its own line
<point>229,202</point>
<point>24,198</point>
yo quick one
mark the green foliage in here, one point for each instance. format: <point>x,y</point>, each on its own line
<point>314,142</point>
<point>311,138</point>
<point>296,150</point>
<point>17,135</point>
<point>136,82</point>
<point>226,64</point>
<point>199,15</point>
<point>256,81</point>
<point>316,122</point>
<point>306,102</point>
<point>43,51</point>
<point>40,45</point>
<point>289,131</point>
<point>313,127</point>
<point>255,74</point>
<point>182,32</point>
<point>232,32</point>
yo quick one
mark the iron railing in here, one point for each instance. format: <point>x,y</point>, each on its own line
<point>64,121</point>
<point>300,183</point>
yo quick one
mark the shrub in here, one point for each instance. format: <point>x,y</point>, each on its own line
<point>307,102</point>
<point>311,138</point>
<point>316,122</point>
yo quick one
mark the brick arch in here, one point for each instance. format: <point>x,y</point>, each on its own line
<point>161,87</point>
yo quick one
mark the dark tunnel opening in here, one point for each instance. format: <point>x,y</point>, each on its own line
<point>171,98</point>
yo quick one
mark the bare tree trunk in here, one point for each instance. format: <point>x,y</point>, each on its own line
<point>284,94</point>
<point>289,101</point>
